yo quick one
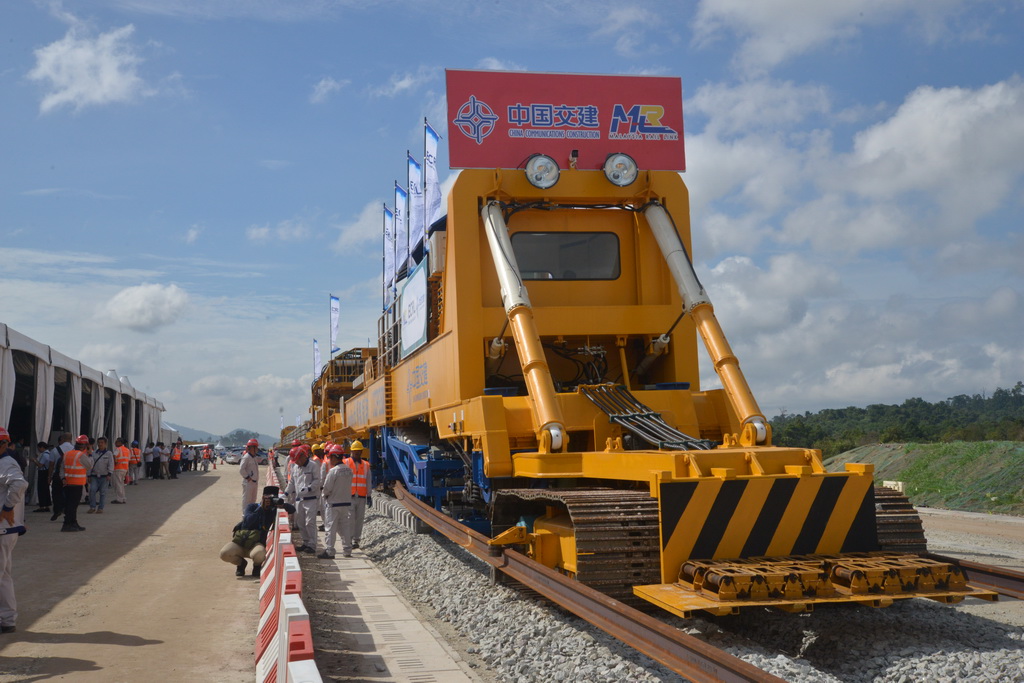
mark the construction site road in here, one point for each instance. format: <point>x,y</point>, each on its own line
<point>141,595</point>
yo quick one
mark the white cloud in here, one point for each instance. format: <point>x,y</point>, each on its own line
<point>400,83</point>
<point>145,308</point>
<point>964,148</point>
<point>242,388</point>
<point>495,64</point>
<point>629,26</point>
<point>757,105</point>
<point>927,173</point>
<point>324,87</point>
<point>288,230</point>
<point>30,258</point>
<point>81,71</point>
<point>366,228</point>
<point>192,234</point>
<point>773,31</point>
<point>127,359</point>
<point>258,233</point>
<point>69,192</point>
<point>830,223</point>
<point>766,301</point>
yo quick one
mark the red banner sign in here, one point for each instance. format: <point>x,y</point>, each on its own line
<point>497,119</point>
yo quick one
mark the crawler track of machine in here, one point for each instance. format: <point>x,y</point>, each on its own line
<point>616,535</point>
<point>899,526</point>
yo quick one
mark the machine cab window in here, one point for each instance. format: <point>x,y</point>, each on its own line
<point>567,255</point>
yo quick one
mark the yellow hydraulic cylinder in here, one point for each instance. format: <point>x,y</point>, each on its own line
<point>698,305</point>
<point>728,368</point>
<point>536,372</point>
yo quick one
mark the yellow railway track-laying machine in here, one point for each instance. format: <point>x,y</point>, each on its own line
<point>551,398</point>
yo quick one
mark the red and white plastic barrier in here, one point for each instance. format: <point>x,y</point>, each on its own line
<point>284,638</point>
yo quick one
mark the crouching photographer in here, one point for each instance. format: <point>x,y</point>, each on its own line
<point>249,541</point>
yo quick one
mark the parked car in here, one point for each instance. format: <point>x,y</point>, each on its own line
<point>233,457</point>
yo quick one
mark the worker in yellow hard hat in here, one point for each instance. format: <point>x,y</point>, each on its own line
<point>361,488</point>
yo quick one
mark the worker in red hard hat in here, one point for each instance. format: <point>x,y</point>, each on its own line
<point>250,473</point>
<point>12,524</point>
<point>303,490</point>
<point>337,496</point>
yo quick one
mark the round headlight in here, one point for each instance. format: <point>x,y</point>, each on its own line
<point>620,169</point>
<point>541,171</point>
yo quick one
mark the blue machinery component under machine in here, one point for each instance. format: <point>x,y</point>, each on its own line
<point>431,475</point>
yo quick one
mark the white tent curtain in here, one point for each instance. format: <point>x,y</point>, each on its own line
<point>7,382</point>
<point>143,435</point>
<point>115,421</point>
<point>154,423</point>
<point>44,399</point>
<point>75,403</point>
<point>143,423</point>
<point>98,416</point>
<point>129,425</point>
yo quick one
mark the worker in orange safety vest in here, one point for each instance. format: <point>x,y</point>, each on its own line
<point>361,488</point>
<point>77,464</point>
<point>134,464</point>
<point>122,457</point>
<point>175,460</point>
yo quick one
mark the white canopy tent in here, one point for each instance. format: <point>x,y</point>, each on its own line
<point>132,414</point>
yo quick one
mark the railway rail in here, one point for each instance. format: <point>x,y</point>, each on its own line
<point>1004,581</point>
<point>684,654</point>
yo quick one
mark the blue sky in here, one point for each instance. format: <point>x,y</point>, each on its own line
<point>186,181</point>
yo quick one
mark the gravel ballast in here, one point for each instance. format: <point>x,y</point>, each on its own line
<point>511,636</point>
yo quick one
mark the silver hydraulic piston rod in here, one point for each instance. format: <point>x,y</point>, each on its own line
<point>536,372</point>
<point>697,304</point>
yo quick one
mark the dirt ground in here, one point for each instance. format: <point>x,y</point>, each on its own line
<point>141,595</point>
<point>990,539</point>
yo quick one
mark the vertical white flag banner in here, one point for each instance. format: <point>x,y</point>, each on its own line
<point>401,229</point>
<point>282,423</point>
<point>389,257</point>
<point>335,314</point>
<point>316,359</point>
<point>431,184</point>
<point>417,229</point>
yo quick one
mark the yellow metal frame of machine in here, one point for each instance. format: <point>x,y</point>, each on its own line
<point>743,499</point>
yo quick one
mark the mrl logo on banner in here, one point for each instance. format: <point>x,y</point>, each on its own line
<point>498,119</point>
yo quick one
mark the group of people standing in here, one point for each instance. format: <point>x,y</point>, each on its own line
<point>325,478</point>
<point>167,463</point>
<point>88,467</point>
<point>63,474</point>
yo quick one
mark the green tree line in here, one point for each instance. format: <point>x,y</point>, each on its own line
<point>999,417</point>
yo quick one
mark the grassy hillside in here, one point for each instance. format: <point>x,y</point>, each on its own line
<point>978,476</point>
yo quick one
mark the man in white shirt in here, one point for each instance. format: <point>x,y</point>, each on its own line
<point>12,524</point>
<point>250,473</point>
<point>304,491</point>
<point>337,504</point>
<point>100,475</point>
